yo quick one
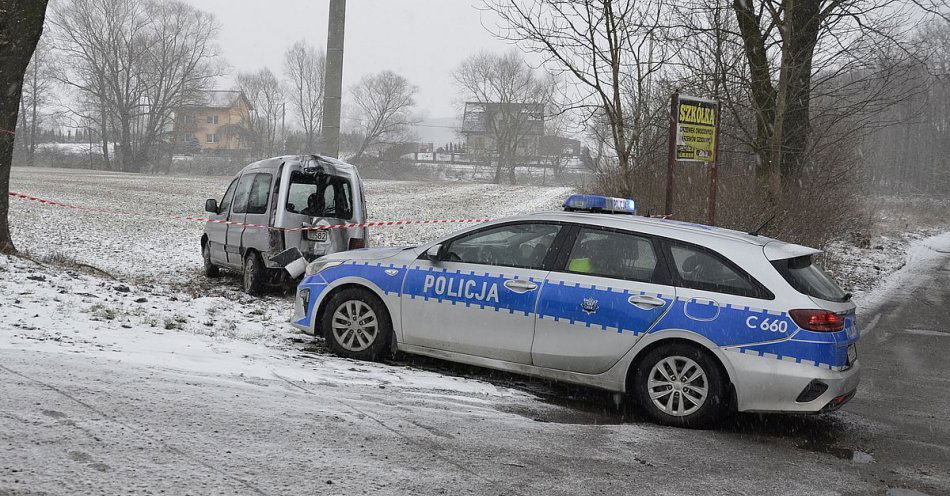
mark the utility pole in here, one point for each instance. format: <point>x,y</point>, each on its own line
<point>334,78</point>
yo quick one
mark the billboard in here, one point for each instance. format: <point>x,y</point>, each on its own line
<point>696,121</point>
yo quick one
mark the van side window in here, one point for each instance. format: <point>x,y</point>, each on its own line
<point>259,194</point>
<point>241,193</point>
<point>612,254</point>
<point>226,200</point>
<point>701,269</point>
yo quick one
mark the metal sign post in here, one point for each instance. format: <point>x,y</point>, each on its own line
<point>714,171</point>
<point>671,155</point>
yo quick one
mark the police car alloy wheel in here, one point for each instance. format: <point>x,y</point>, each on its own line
<point>681,385</point>
<point>356,325</point>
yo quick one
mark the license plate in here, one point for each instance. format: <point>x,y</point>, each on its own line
<point>852,354</point>
<point>320,236</point>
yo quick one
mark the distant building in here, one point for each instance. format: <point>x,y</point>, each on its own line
<point>481,120</point>
<point>216,120</point>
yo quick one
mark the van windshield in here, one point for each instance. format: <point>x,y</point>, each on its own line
<point>808,279</point>
<point>320,195</point>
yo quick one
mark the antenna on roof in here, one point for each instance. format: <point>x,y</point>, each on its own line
<point>757,231</point>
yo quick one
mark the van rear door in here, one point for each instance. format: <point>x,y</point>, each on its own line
<point>315,199</point>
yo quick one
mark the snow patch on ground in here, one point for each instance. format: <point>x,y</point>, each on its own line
<point>52,309</point>
<point>859,270</point>
<point>914,250</point>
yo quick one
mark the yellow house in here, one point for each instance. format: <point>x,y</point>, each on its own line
<point>218,120</point>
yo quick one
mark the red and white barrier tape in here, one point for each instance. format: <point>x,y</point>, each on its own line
<point>392,223</point>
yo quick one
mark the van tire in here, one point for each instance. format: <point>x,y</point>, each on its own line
<point>346,345</point>
<point>688,356</point>
<point>211,270</point>
<point>253,280</point>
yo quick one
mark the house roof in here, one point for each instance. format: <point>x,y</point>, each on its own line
<point>218,99</point>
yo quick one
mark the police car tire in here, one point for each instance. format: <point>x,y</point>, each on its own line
<point>380,345</point>
<point>211,270</point>
<point>715,403</point>
<point>253,276</point>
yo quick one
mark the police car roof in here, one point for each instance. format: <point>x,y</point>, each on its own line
<point>676,229</point>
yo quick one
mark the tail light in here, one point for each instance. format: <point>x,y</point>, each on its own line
<point>357,243</point>
<point>817,320</point>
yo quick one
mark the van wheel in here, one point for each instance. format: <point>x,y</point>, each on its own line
<point>356,324</point>
<point>253,274</point>
<point>680,385</point>
<point>211,270</point>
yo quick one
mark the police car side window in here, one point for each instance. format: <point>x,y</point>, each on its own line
<point>700,269</point>
<point>511,245</point>
<point>613,254</point>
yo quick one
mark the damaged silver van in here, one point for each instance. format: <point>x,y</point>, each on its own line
<point>266,201</point>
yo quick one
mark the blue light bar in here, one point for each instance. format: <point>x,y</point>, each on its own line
<point>595,203</point>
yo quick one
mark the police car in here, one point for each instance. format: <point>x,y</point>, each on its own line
<point>689,320</point>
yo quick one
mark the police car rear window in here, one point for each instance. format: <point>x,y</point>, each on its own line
<point>701,269</point>
<point>808,279</point>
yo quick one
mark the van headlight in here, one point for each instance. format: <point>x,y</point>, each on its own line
<point>319,266</point>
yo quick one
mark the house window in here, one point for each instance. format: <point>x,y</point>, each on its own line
<point>212,138</point>
<point>212,119</point>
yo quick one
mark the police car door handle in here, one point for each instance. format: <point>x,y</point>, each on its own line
<point>520,285</point>
<point>646,302</point>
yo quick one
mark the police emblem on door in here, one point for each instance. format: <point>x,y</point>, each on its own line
<point>589,305</point>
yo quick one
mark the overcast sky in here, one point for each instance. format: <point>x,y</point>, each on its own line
<point>420,39</point>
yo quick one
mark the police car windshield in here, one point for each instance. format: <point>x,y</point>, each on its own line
<point>808,279</point>
<point>319,195</point>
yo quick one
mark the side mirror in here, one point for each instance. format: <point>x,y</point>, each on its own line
<point>211,205</point>
<point>433,253</point>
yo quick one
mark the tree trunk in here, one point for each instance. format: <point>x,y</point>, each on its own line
<point>32,153</point>
<point>802,21</point>
<point>21,24</point>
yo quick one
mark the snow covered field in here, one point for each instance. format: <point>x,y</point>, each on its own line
<point>157,256</point>
<point>149,246</point>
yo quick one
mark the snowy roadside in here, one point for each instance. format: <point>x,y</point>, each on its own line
<point>52,309</point>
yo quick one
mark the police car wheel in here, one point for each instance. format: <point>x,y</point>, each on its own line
<point>680,385</point>
<point>211,270</point>
<point>356,325</point>
<point>253,280</point>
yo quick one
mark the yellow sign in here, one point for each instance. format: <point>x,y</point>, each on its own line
<point>696,122</point>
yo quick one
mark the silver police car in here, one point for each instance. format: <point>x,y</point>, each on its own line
<point>689,320</point>
<point>264,211</point>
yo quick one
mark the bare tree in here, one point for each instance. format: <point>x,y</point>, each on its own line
<point>382,109</point>
<point>263,90</point>
<point>134,61</point>
<point>181,61</point>
<point>511,104</point>
<point>836,57</point>
<point>37,86</point>
<point>304,67</point>
<point>21,24</point>
<point>102,41</point>
<point>612,49</point>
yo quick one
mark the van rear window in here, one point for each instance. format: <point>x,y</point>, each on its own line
<point>808,279</point>
<point>320,195</point>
